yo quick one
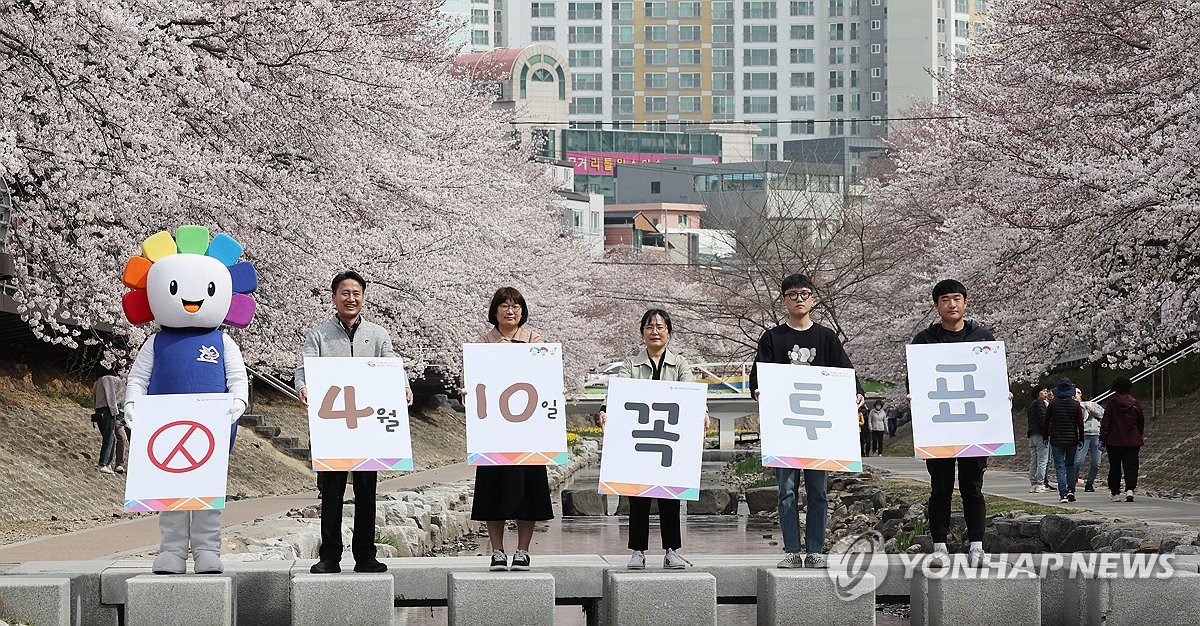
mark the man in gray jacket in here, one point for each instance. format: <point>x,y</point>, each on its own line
<point>347,335</point>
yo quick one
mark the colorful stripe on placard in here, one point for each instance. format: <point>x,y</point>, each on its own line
<point>175,504</point>
<point>517,458</point>
<point>795,462</point>
<point>976,449</point>
<point>650,491</point>
<point>362,465</point>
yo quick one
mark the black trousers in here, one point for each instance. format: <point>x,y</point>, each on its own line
<point>877,441</point>
<point>668,522</point>
<point>1122,459</point>
<point>970,487</point>
<point>333,492</point>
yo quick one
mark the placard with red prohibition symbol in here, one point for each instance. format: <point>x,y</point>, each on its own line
<point>653,438</point>
<point>516,411</point>
<point>357,414</point>
<point>179,453</point>
<point>960,404</point>
<point>808,416</point>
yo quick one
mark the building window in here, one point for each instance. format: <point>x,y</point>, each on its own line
<point>689,104</point>
<point>854,56</point>
<point>837,79</point>
<point>722,105</point>
<point>689,56</point>
<point>837,103</point>
<point>623,106</point>
<point>837,56</point>
<point>587,106</point>
<point>621,58</point>
<point>758,10</point>
<point>623,11</point>
<point>722,57</point>
<point>759,104</point>
<point>689,33</point>
<point>656,34</point>
<point>759,34</point>
<point>682,221</point>
<point>876,24</point>
<point>876,96</point>
<point>584,82</point>
<point>689,80</point>
<point>855,102</point>
<point>722,10</point>
<point>804,103</point>
<point>876,120</point>
<point>585,34</point>
<point>837,31</point>
<point>622,34</point>
<point>876,48</point>
<point>689,9</point>
<point>656,9</point>
<point>655,104</point>
<point>479,37</point>
<point>960,29</point>
<point>837,128</point>
<point>584,10</point>
<point>960,6</point>
<point>542,33</point>
<point>541,9</point>
<point>722,34</point>
<point>876,72</point>
<point>765,152</point>
<point>803,31</point>
<point>759,57</point>
<point>854,30</point>
<point>622,82</point>
<point>804,127</point>
<point>722,81</point>
<point>803,79</point>
<point>479,16</point>
<point>760,80</point>
<point>656,58</point>
<point>802,55</point>
<point>802,8</point>
<point>586,58</point>
<point>656,80</point>
<point>837,8</point>
<point>853,78</point>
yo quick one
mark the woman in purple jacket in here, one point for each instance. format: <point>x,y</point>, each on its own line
<point>1121,433</point>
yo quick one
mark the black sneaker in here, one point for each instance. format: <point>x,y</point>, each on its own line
<point>499,561</point>
<point>520,562</point>
<point>1088,488</point>
<point>371,567</point>
<point>325,567</point>
<point>1070,496</point>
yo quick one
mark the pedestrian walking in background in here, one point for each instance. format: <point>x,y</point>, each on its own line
<point>1039,448</point>
<point>1122,433</point>
<point>893,415</point>
<point>878,422</point>
<point>1090,451</point>
<point>107,396</point>
<point>864,430</point>
<point>1063,426</point>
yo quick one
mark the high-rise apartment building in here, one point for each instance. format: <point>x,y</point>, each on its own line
<point>799,69</point>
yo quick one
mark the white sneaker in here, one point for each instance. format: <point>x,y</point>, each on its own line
<point>1035,489</point>
<point>1116,497</point>
<point>104,469</point>
<point>939,558</point>
<point>1129,496</point>
<point>976,557</point>
<point>1062,500</point>
<point>637,560</point>
<point>120,469</point>
<point>793,560</point>
<point>672,560</point>
<point>1044,489</point>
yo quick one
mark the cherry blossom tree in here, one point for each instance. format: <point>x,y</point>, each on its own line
<point>1057,180</point>
<point>322,135</point>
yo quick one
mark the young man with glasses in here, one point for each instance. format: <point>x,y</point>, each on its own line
<point>800,341</point>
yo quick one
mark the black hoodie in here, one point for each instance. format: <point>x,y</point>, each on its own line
<point>937,334</point>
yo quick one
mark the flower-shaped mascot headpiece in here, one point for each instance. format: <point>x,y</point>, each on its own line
<point>187,281</point>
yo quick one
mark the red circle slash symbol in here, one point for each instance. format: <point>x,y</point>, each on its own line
<point>188,428</point>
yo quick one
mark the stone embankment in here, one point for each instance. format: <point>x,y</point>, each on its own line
<point>408,523</point>
<point>860,504</point>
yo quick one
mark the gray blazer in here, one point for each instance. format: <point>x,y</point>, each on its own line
<point>331,339</point>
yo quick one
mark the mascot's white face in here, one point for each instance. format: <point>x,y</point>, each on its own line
<point>189,291</point>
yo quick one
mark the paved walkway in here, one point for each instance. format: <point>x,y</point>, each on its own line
<point>1015,485</point>
<point>142,533</point>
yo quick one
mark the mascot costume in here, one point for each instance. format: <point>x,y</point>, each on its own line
<point>189,286</point>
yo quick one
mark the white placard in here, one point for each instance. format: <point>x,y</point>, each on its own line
<point>357,414</point>
<point>179,453</point>
<point>653,438</point>
<point>808,417</point>
<point>516,410</point>
<point>960,404</point>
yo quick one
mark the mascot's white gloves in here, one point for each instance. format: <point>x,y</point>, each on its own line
<point>236,408</point>
<point>127,409</point>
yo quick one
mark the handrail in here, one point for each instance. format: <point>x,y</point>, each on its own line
<point>1150,371</point>
<point>275,382</point>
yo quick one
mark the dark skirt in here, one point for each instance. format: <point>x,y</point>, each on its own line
<point>504,492</point>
